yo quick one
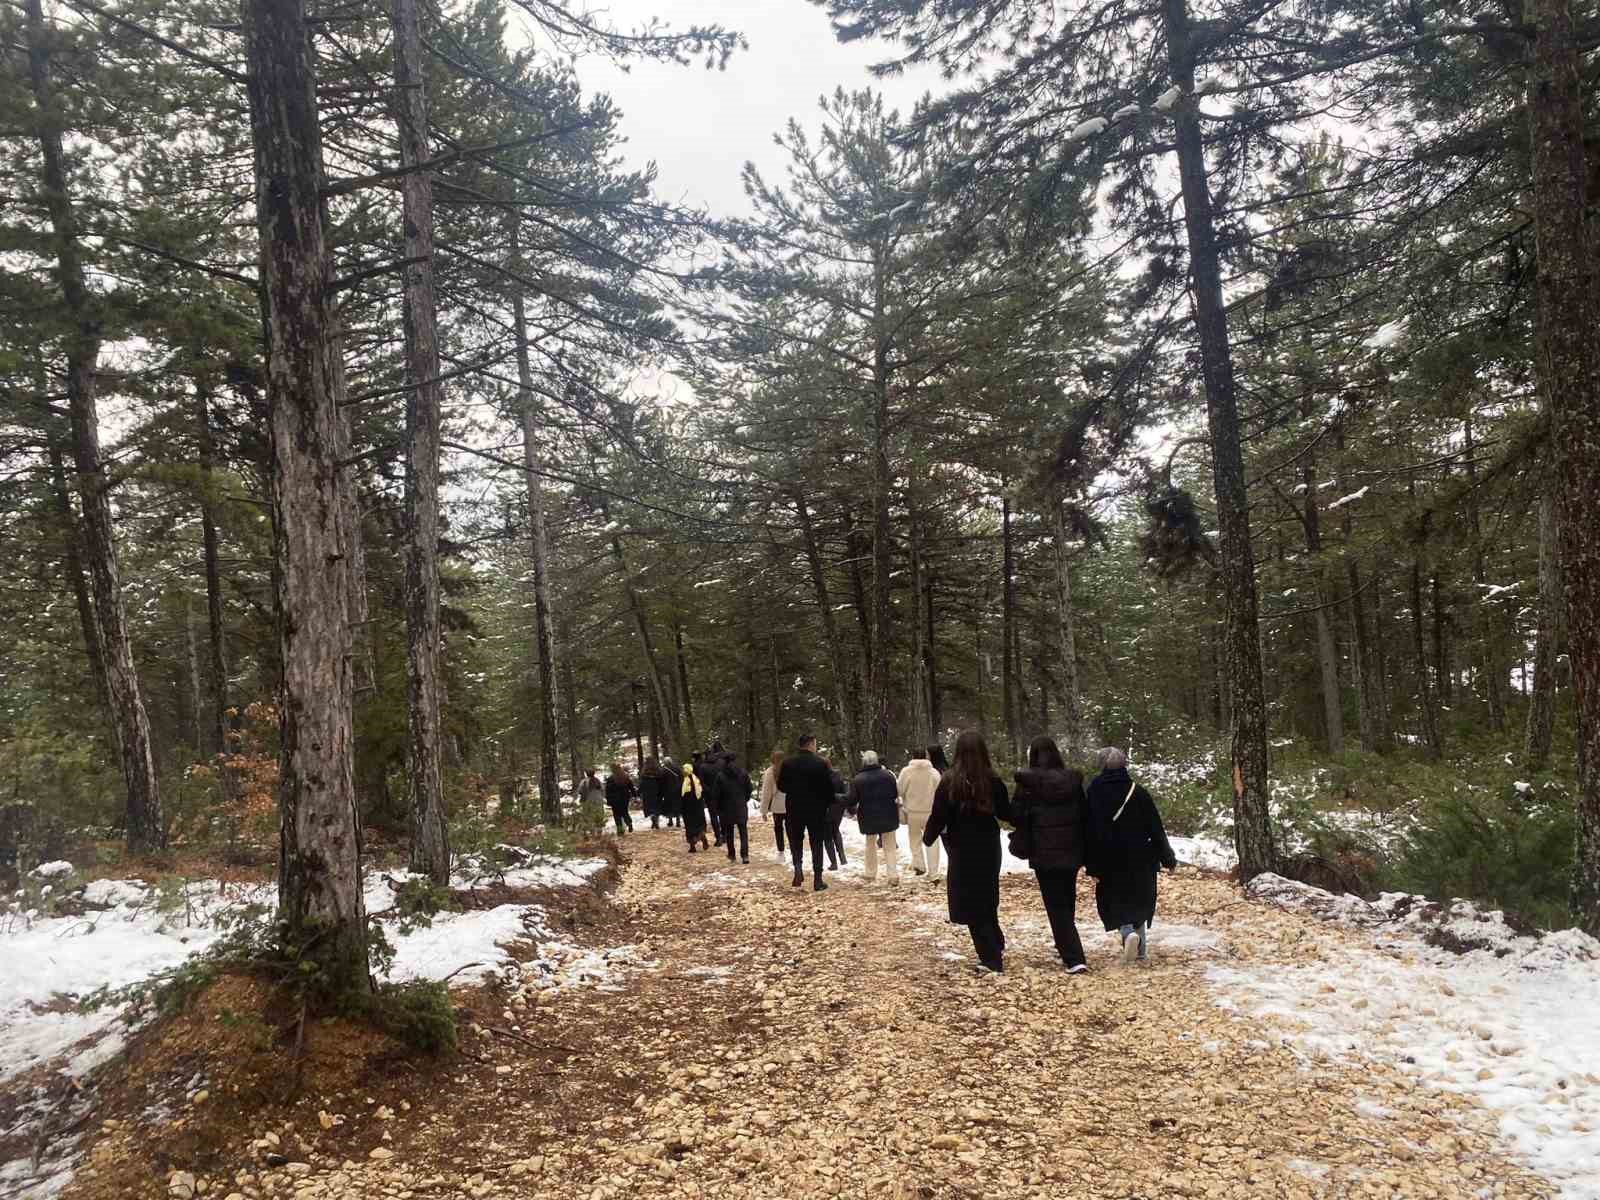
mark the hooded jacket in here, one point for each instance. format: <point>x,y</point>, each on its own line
<point>1052,812</point>
<point>917,782</point>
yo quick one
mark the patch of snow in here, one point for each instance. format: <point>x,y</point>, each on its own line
<point>1387,335</point>
<point>1350,499</point>
<point>1126,111</point>
<point>53,870</point>
<point>1510,1022</point>
<point>1209,854</point>
<point>1168,99</point>
<point>1088,129</point>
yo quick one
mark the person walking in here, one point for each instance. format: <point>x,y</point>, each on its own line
<point>620,791</point>
<point>834,839</point>
<point>671,793</point>
<point>734,789</point>
<point>916,783</point>
<point>875,804</point>
<point>591,792</point>
<point>968,806</point>
<point>650,792</point>
<point>1051,814</point>
<point>773,806</point>
<point>691,796</point>
<point>1127,846</point>
<point>706,765</point>
<point>807,787</point>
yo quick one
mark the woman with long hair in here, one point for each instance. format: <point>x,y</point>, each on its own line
<point>620,790</point>
<point>1050,811</point>
<point>968,806</point>
<point>773,803</point>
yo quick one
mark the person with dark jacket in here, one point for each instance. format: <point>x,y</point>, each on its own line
<point>833,840</point>
<point>875,804</point>
<point>707,766</point>
<point>1127,846</point>
<point>692,797</point>
<point>734,788</point>
<point>1051,814</point>
<point>968,807</point>
<point>620,789</point>
<point>650,792</point>
<point>807,787</point>
<point>671,793</point>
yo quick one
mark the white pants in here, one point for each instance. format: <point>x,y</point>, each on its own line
<point>915,824</point>
<point>891,856</point>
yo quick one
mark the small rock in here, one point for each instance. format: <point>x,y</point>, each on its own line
<point>380,1153</point>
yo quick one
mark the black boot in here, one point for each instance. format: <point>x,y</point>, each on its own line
<point>819,885</point>
<point>799,877</point>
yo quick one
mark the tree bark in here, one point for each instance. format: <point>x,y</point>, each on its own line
<point>1008,630</point>
<point>320,907</point>
<point>216,631</point>
<point>1547,638</point>
<point>1443,671</point>
<point>848,718</point>
<point>1252,828</point>
<point>878,660</point>
<point>430,845</point>
<point>1077,739</point>
<point>1567,367</point>
<point>1327,649</point>
<point>638,727</point>
<point>855,549</point>
<point>196,692</point>
<point>1430,707</point>
<point>72,564</point>
<point>642,630</point>
<point>931,649</point>
<point>1489,652</point>
<point>144,827</point>
<point>539,551</point>
<point>921,726</point>
<point>685,733</point>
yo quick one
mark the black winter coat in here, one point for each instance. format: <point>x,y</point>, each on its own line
<point>1052,815</point>
<point>692,808</point>
<point>972,843</point>
<point>807,786</point>
<point>671,784</point>
<point>1125,852</point>
<point>619,792</point>
<point>734,789</point>
<point>875,800</point>
<point>650,793</point>
<point>841,798</point>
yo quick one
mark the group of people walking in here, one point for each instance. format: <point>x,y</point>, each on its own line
<point>1060,823</point>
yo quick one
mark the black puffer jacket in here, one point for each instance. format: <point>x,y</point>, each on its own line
<point>734,788</point>
<point>1052,811</point>
<point>875,800</point>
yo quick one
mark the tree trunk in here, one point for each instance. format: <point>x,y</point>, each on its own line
<point>196,692</point>
<point>855,549</point>
<point>1252,828</point>
<point>1008,627</point>
<point>144,828</point>
<point>1327,649</point>
<point>320,907</point>
<point>638,728</point>
<point>642,630</point>
<point>1077,739</point>
<point>1443,671</point>
<point>921,727</point>
<point>430,846</point>
<point>1489,653</point>
<point>686,734</point>
<point>1430,708</point>
<point>72,564</point>
<point>1567,367</point>
<point>569,695</point>
<point>777,700</point>
<point>930,648</point>
<point>208,532</point>
<point>849,721</point>
<point>1547,638</point>
<point>1374,727</point>
<point>878,660</point>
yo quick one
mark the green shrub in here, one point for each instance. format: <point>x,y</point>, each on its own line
<point>418,1013</point>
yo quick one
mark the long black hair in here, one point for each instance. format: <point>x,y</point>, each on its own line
<point>972,775</point>
<point>1044,754</point>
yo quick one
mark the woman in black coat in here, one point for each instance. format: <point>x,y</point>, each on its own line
<point>968,807</point>
<point>834,840</point>
<point>1051,814</point>
<point>620,789</point>
<point>650,792</point>
<point>671,786</point>
<point>692,799</point>
<point>1127,847</point>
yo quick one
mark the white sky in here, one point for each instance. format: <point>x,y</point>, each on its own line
<point>700,126</point>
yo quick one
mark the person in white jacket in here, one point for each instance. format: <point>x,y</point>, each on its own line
<point>917,782</point>
<point>773,807</point>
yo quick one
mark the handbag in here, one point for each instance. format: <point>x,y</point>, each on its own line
<point>1020,843</point>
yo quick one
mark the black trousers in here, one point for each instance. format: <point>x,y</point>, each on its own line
<point>989,942</point>
<point>1059,890</point>
<point>835,842</point>
<point>619,813</point>
<point>716,823</point>
<point>779,824</point>
<point>744,837</point>
<point>801,824</point>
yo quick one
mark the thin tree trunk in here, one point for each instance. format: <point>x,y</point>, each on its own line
<point>1008,621</point>
<point>1077,740</point>
<point>642,630</point>
<point>930,648</point>
<point>430,846</point>
<point>209,540</point>
<point>878,661</point>
<point>1488,651</point>
<point>1547,638</point>
<point>920,725</point>
<point>1567,367</point>
<point>638,728</point>
<point>569,696</point>
<point>72,564</point>
<point>687,735</point>
<point>777,699</point>
<point>1252,827</point>
<point>1373,726</point>
<point>854,550</point>
<point>1443,671</point>
<point>145,830</point>
<point>196,692</point>
<point>1430,708</point>
<point>320,907</point>
<point>848,718</point>
<point>1327,650</point>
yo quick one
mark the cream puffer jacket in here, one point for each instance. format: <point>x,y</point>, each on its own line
<point>917,782</point>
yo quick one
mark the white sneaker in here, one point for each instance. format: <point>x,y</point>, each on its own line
<point>1080,969</point>
<point>1130,948</point>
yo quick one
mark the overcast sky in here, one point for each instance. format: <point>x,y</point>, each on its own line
<point>701,126</point>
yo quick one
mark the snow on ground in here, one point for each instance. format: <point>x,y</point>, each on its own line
<point>1511,1023</point>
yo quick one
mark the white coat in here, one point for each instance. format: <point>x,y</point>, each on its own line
<point>917,782</point>
<point>772,800</point>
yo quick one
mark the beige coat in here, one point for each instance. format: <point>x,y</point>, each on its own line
<point>772,800</point>
<point>917,782</point>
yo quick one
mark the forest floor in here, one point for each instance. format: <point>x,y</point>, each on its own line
<point>766,1041</point>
